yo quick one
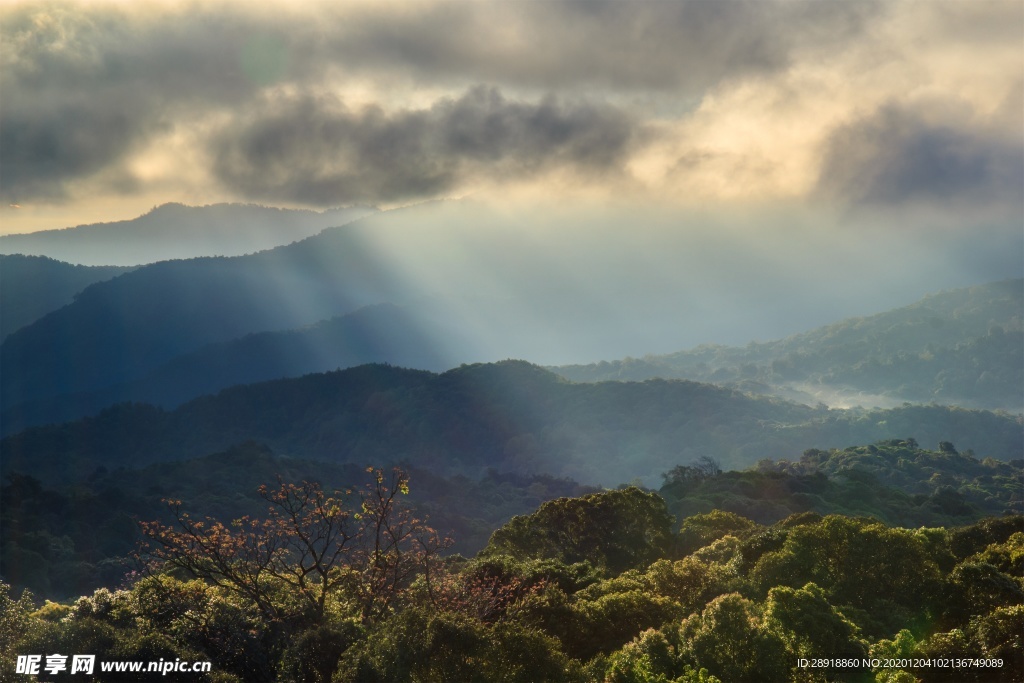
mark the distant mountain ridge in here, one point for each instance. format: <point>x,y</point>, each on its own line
<point>176,231</point>
<point>958,347</point>
<point>512,416</point>
<point>509,295</point>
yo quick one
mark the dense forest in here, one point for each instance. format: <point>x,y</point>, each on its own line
<point>355,585</point>
<point>895,481</point>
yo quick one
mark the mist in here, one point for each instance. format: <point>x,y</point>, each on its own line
<point>578,282</point>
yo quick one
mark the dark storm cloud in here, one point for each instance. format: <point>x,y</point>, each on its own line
<point>41,149</point>
<point>317,151</point>
<point>624,45</point>
<point>85,86</point>
<point>897,157</point>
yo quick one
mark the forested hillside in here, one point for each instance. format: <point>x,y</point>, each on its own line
<point>603,587</point>
<point>43,552</point>
<point>895,482</point>
<point>961,347</point>
<point>510,416</point>
<point>32,286</point>
<point>415,336</point>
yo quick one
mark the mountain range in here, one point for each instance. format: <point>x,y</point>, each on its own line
<point>404,336</point>
<point>182,358</point>
<point>961,347</point>
<point>451,282</point>
<point>510,416</point>
<point>958,347</point>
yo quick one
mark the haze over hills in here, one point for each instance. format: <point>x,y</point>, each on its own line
<point>421,337</point>
<point>550,285</point>
<point>32,286</point>
<point>959,347</point>
<point>511,416</point>
<point>177,231</point>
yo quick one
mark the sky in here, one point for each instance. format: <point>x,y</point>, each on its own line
<point>907,113</point>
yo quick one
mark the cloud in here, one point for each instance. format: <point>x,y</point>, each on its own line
<point>88,85</point>
<point>900,156</point>
<point>84,88</point>
<point>317,151</point>
<point>730,101</point>
<point>605,43</point>
<point>42,150</point>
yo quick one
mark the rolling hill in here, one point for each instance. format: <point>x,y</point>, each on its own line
<point>32,286</point>
<point>959,347</point>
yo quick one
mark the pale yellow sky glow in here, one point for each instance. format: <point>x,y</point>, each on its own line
<point>110,108</point>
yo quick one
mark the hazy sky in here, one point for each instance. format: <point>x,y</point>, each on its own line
<point>912,110</point>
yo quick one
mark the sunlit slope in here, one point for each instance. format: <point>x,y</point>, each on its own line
<point>32,286</point>
<point>175,231</point>
<point>416,337</point>
<point>509,415</point>
<point>963,347</point>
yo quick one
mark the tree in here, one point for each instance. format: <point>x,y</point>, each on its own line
<point>361,544</point>
<point>811,627</point>
<point>857,562</point>
<point>701,530</point>
<point>418,645</point>
<point>704,467</point>
<point>15,622</point>
<point>729,639</point>
<point>649,657</point>
<point>616,530</point>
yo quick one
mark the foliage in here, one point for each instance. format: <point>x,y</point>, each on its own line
<point>61,543</point>
<point>15,623</point>
<point>731,640</point>
<point>615,530</point>
<point>311,545</point>
<point>895,481</point>
<point>584,590</point>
